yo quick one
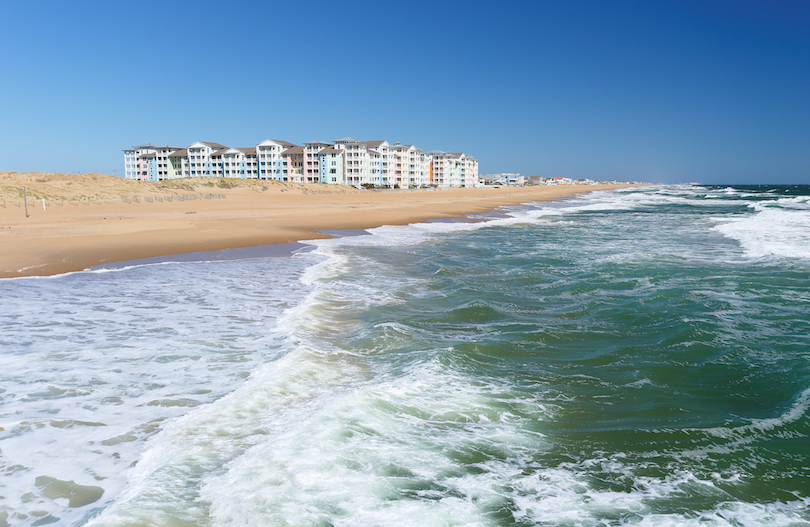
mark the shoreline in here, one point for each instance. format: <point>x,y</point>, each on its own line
<point>60,238</point>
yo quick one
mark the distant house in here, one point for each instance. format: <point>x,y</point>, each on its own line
<point>506,178</point>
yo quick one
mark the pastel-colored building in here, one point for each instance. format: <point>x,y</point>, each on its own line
<point>199,159</point>
<point>381,166</point>
<point>149,162</point>
<point>311,161</point>
<point>347,161</point>
<point>331,161</point>
<point>411,166</point>
<point>293,163</point>
<point>235,163</point>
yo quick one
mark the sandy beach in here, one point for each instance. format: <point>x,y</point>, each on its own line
<point>88,220</point>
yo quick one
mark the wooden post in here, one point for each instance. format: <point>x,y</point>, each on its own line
<point>25,200</point>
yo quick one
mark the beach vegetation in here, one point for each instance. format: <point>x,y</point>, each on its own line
<point>175,184</point>
<point>66,187</point>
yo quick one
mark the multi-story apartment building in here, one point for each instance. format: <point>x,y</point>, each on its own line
<point>294,163</point>
<point>200,162</point>
<point>271,161</point>
<point>410,165</point>
<point>381,165</point>
<point>470,170</point>
<point>235,162</point>
<point>312,162</point>
<point>347,161</point>
<point>178,160</point>
<point>149,162</point>
<point>449,169</point>
<point>356,160</point>
<point>332,164</point>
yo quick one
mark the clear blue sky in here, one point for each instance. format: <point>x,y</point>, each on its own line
<point>659,90</point>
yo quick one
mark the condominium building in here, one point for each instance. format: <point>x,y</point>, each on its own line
<point>411,165</point>
<point>332,164</point>
<point>149,162</point>
<point>271,161</point>
<point>449,169</point>
<point>347,161</point>
<point>312,161</point>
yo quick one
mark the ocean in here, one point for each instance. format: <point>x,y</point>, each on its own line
<point>628,357</point>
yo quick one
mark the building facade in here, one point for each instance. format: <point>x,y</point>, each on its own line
<point>347,161</point>
<point>149,162</point>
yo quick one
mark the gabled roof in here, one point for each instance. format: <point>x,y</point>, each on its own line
<point>318,143</point>
<point>349,140</point>
<point>249,151</point>
<point>215,146</point>
<point>375,143</point>
<point>332,150</point>
<point>294,150</point>
<point>275,142</point>
<point>233,151</point>
<point>179,153</point>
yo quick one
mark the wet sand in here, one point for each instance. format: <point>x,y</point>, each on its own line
<point>71,235</point>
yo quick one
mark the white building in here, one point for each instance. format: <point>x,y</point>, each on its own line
<point>356,161</point>
<point>347,161</point>
<point>271,163</point>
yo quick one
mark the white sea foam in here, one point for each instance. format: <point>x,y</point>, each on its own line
<point>294,416</point>
<point>416,233</point>
<point>779,228</point>
<point>388,453</point>
<point>96,363</point>
<point>563,496</point>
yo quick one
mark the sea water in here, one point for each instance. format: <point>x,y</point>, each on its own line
<point>631,357</point>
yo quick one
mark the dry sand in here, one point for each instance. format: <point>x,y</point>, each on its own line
<point>84,221</point>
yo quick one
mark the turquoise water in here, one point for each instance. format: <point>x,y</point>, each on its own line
<point>634,357</point>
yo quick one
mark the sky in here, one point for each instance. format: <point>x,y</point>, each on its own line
<point>664,91</point>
